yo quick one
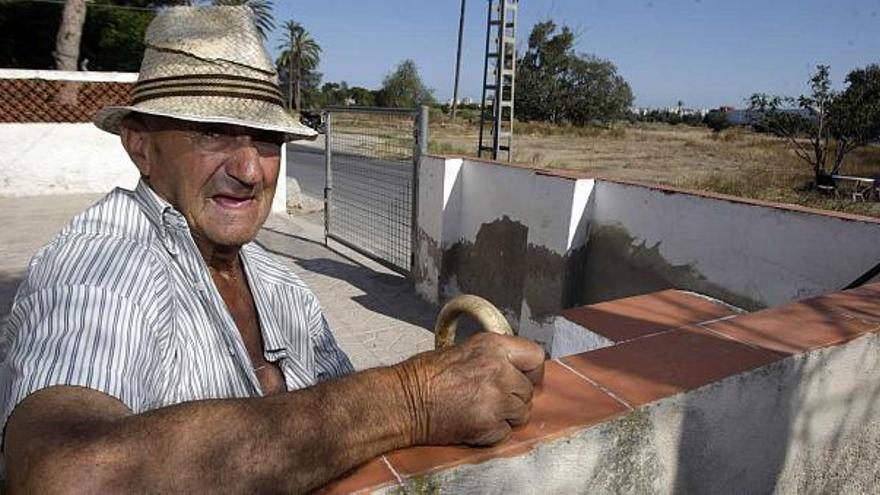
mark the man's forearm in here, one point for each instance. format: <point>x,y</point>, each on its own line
<point>292,442</point>
<point>72,439</point>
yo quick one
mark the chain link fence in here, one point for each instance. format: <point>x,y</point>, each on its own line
<point>371,160</point>
<point>40,100</point>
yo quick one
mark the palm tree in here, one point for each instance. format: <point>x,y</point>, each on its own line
<point>299,52</point>
<point>67,47</point>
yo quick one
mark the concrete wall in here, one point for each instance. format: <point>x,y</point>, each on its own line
<point>43,159</point>
<point>751,255</point>
<point>40,159</point>
<point>535,243</point>
<point>512,235</point>
<point>805,424</point>
<point>68,75</point>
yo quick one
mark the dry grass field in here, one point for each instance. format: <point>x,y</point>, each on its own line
<point>736,161</point>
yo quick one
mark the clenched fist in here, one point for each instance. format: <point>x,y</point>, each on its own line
<point>472,393</point>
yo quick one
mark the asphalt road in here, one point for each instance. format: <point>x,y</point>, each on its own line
<point>306,165</point>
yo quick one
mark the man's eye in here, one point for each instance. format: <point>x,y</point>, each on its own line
<point>210,135</point>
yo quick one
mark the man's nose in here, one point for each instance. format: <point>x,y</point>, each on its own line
<point>244,162</point>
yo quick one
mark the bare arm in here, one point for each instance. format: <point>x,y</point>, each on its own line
<point>74,439</point>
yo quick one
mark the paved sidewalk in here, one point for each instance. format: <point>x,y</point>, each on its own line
<point>375,314</point>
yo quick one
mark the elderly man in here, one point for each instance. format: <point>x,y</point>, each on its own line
<point>154,348</point>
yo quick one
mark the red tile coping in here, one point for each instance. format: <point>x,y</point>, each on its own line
<point>863,302</point>
<point>592,387</point>
<point>803,326</point>
<point>559,405</point>
<point>644,370</point>
<point>625,319</point>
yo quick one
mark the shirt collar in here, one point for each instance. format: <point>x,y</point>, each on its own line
<point>158,210</point>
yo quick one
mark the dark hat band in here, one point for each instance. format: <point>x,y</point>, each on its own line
<point>207,85</point>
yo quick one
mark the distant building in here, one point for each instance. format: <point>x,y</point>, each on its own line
<point>462,101</point>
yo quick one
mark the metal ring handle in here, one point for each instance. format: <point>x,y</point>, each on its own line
<point>481,310</point>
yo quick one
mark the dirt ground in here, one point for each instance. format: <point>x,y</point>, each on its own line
<point>736,161</point>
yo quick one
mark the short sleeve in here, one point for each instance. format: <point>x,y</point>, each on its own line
<point>78,335</point>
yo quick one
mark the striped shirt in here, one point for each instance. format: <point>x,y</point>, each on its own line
<point>122,302</point>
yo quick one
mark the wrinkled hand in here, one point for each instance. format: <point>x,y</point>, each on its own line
<point>472,393</point>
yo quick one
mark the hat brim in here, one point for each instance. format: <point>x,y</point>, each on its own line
<point>268,118</point>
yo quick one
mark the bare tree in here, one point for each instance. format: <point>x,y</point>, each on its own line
<point>824,126</point>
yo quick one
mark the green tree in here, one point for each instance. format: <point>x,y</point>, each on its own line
<point>334,94</point>
<point>363,97</point>
<point>555,84</point>
<point>300,54</point>
<point>29,31</point>
<point>854,118</point>
<point>113,39</point>
<point>824,126</point>
<point>403,88</point>
<point>594,92</point>
<point>717,120</point>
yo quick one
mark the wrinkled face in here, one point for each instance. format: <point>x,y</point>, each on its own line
<point>220,177</point>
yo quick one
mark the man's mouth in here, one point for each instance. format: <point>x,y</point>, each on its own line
<point>233,201</point>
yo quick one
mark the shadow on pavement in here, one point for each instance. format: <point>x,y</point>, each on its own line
<point>389,294</point>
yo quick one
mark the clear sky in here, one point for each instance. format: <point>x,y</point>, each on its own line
<point>704,52</point>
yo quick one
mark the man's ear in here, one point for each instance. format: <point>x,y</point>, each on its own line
<point>136,142</point>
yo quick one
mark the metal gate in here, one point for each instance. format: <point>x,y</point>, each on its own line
<point>370,193</point>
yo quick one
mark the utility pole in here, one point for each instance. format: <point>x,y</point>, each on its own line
<point>458,61</point>
<point>499,74</point>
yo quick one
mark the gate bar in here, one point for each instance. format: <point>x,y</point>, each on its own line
<point>421,148</point>
<point>354,109</point>
<point>328,176</point>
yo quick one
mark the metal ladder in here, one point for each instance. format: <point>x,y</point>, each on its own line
<point>496,107</point>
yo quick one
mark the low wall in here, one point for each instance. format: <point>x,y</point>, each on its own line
<point>60,158</point>
<point>536,242</point>
<point>785,400</point>
<point>512,235</point>
<point>747,253</point>
<point>51,147</point>
<point>42,159</point>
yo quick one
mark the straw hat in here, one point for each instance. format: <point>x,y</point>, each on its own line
<point>207,64</point>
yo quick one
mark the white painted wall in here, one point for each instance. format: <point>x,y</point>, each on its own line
<point>768,254</point>
<point>68,75</point>
<point>458,196</point>
<point>40,159</point>
<point>772,255</point>
<point>61,158</point>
